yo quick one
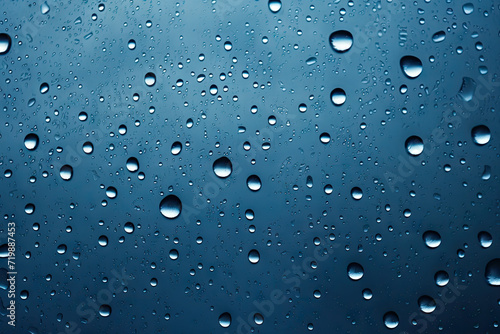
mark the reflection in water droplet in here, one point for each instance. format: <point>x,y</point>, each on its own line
<point>176,148</point>
<point>338,96</point>
<point>391,320</point>
<point>222,167</point>
<point>66,172</point>
<point>225,320</point>
<point>105,310</point>
<point>485,239</point>
<point>481,135</point>
<point>356,193</point>
<point>171,206</point>
<point>253,183</point>
<point>411,66</point>
<point>492,272</point>
<point>274,5</point>
<point>341,40</point>
<point>253,256</point>
<point>432,239</point>
<point>442,278</point>
<point>5,43</point>
<point>132,164</point>
<point>355,271</point>
<point>31,141</point>
<point>439,36</point>
<point>150,79</point>
<point>427,304</point>
<point>414,145</point>
<point>44,88</point>
<point>467,89</point>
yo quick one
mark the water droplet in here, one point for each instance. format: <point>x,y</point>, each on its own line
<point>253,256</point>
<point>253,183</point>
<point>325,137</point>
<point>338,96</point>
<point>427,304</point>
<point>432,239</point>
<point>103,241</point>
<point>131,44</point>
<point>414,145</point>
<point>176,148</point>
<point>129,227</point>
<point>111,192</point>
<point>367,294</point>
<point>492,272</point>
<point>44,8</point>
<point>468,8</point>
<point>223,167</point>
<point>258,319</point>
<point>442,278</point>
<point>66,172</point>
<point>486,173</point>
<point>355,271</point>
<point>150,79</point>
<point>132,164</point>
<point>411,66</point>
<point>225,320</point>
<point>467,89</point>
<point>439,36</point>
<point>44,88</point>
<point>391,320</point>
<point>105,310</point>
<point>171,206</point>
<point>328,189</point>
<point>173,254</point>
<point>311,61</point>
<point>341,41</point>
<point>274,5</point>
<point>356,193</point>
<point>485,239</point>
<point>31,141</point>
<point>481,135</point>
<point>88,148</point>
<point>5,43</point>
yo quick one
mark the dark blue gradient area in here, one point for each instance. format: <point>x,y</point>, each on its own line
<point>217,166</point>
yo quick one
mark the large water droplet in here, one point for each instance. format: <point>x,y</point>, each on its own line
<point>88,148</point>
<point>356,193</point>
<point>225,319</point>
<point>411,66</point>
<point>44,88</point>
<point>31,141</point>
<point>176,148</point>
<point>492,272</point>
<point>468,8</point>
<point>432,239</point>
<point>274,5</point>
<point>485,239</point>
<point>66,172</point>
<point>355,271</point>
<point>481,135</point>
<point>150,79</point>
<point>427,304</point>
<point>253,183</point>
<point>442,278</point>
<point>105,310</point>
<point>253,256</point>
<point>391,320</point>
<point>414,145</point>
<point>338,96</point>
<point>5,43</point>
<point>131,44</point>
<point>171,206</point>
<point>173,254</point>
<point>44,8</point>
<point>132,164</point>
<point>486,173</point>
<point>325,138</point>
<point>467,89</point>
<point>341,40</point>
<point>439,36</point>
<point>223,167</point>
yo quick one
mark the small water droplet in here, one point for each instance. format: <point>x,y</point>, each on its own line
<point>414,145</point>
<point>111,192</point>
<point>411,66</point>
<point>44,8</point>
<point>129,227</point>
<point>103,241</point>
<point>44,88</point>
<point>439,37</point>
<point>468,8</point>
<point>341,40</point>
<point>222,167</point>
<point>171,206</point>
<point>481,135</point>
<point>325,137</point>
<point>258,319</point>
<point>311,61</point>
